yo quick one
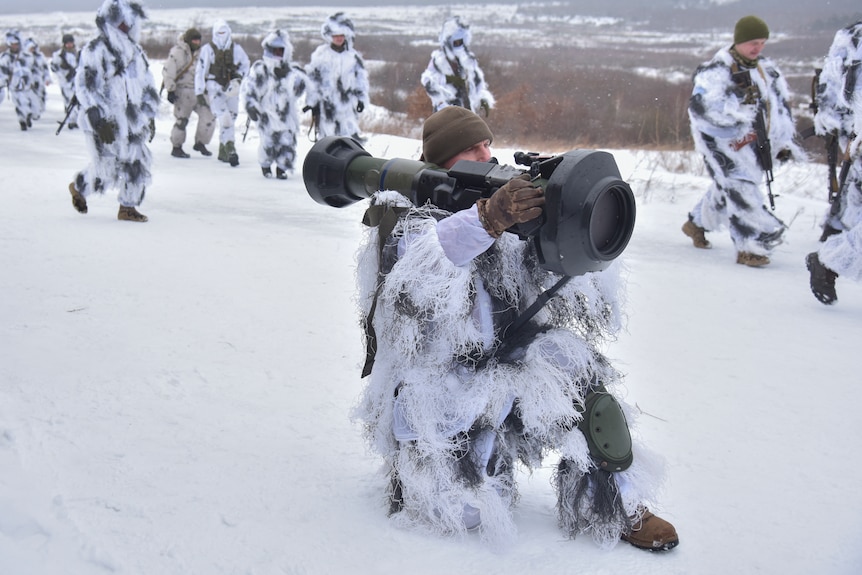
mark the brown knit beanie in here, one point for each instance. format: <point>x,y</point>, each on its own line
<point>449,132</point>
<point>750,28</point>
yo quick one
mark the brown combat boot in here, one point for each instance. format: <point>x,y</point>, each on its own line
<point>130,214</point>
<point>697,235</point>
<point>751,260</point>
<point>652,533</point>
<point>78,201</point>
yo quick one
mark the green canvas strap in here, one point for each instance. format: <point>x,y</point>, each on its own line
<point>384,218</point>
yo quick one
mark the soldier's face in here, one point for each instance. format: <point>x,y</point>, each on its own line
<point>338,39</point>
<point>479,152</point>
<point>751,49</point>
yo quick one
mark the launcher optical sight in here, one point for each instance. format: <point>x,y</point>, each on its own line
<point>589,212</point>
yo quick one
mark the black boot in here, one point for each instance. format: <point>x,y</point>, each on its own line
<point>178,152</point>
<point>267,171</point>
<point>822,280</point>
<point>828,231</point>
<point>230,151</point>
<point>280,174</point>
<point>199,147</point>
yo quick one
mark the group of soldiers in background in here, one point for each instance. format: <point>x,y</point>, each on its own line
<point>24,73</point>
<point>741,123</point>
<point>739,113</point>
<point>211,81</point>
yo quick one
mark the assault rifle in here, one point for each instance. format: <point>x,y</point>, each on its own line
<point>73,103</point>
<point>762,146</point>
<point>314,125</point>
<point>245,132</point>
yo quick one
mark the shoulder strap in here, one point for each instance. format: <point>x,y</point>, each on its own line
<point>385,218</point>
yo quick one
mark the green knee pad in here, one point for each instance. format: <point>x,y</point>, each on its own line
<point>607,432</point>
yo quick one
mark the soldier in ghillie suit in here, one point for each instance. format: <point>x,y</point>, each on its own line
<point>179,81</point>
<point>453,76</point>
<point>724,116</point>
<point>218,75</point>
<point>453,401</point>
<point>118,105</point>
<point>839,115</point>
<point>338,92</point>
<point>271,93</point>
<point>64,64</point>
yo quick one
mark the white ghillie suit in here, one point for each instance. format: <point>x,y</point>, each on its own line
<point>272,90</point>
<point>453,76</point>
<point>117,94</point>
<point>16,75</point>
<point>64,63</point>
<point>221,66</point>
<point>722,117</point>
<point>339,80</point>
<point>839,101</point>
<point>450,420</point>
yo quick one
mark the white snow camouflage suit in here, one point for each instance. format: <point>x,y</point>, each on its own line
<point>41,75</point>
<point>449,419</point>
<point>273,89</point>
<point>339,81</point>
<point>117,94</point>
<point>722,117</point>
<point>839,101</point>
<point>221,83</point>
<point>17,76</point>
<point>64,63</point>
<point>453,76</point>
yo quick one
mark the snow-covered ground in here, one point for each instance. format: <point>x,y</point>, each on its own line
<point>174,395</point>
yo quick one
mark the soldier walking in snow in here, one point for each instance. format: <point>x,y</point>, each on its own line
<point>16,75</point>
<point>271,91</point>
<point>338,92</point>
<point>733,93</point>
<point>40,77</point>
<point>453,76</point>
<point>839,115</point>
<point>220,68</point>
<point>64,63</point>
<point>118,106</point>
<point>178,74</point>
<point>453,403</point>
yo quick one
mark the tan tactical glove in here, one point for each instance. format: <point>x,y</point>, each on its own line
<point>517,202</point>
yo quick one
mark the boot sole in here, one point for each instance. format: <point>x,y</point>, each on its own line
<point>825,300</point>
<point>667,546</point>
